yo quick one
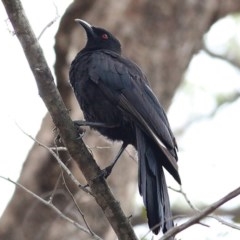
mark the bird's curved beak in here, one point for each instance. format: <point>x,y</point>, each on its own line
<point>86,26</point>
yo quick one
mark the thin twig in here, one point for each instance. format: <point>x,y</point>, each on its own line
<point>230,98</point>
<point>58,149</point>
<point>90,148</point>
<point>224,222</point>
<point>54,208</point>
<point>130,155</point>
<point>195,219</point>
<point>50,23</point>
<point>76,205</point>
<point>232,61</point>
<point>66,169</point>
<point>98,147</point>
<point>54,189</point>
<point>186,197</point>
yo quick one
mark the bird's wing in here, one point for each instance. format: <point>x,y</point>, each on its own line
<point>124,84</point>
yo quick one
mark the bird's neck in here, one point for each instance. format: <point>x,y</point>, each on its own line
<point>93,49</point>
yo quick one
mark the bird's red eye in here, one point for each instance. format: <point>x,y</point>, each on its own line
<point>104,36</point>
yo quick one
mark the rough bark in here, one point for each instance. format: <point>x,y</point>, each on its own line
<point>162,37</point>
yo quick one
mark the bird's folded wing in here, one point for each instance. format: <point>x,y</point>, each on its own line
<point>144,122</point>
<point>125,85</point>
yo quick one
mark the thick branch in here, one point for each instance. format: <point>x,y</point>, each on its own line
<point>58,111</point>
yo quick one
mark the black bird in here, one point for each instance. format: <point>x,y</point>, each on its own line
<point>116,100</point>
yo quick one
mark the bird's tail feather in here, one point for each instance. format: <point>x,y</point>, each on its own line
<point>152,184</point>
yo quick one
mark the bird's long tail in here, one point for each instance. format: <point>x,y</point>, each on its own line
<point>152,184</point>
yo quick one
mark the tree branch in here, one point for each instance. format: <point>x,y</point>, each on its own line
<point>53,101</point>
<point>219,219</point>
<point>60,162</point>
<point>232,61</point>
<point>54,208</point>
<point>220,101</point>
<point>195,219</point>
<point>48,25</point>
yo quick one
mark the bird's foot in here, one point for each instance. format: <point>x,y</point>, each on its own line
<point>107,171</point>
<point>80,131</point>
<point>104,174</point>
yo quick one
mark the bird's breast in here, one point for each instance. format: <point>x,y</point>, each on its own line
<point>98,108</point>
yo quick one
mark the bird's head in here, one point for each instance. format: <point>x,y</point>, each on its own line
<point>98,38</point>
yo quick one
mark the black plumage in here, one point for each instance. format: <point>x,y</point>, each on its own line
<point>112,90</point>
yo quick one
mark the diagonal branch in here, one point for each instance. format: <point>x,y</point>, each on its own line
<point>54,208</point>
<point>61,164</point>
<point>219,219</point>
<point>53,101</point>
<point>195,219</point>
<point>232,61</point>
<point>50,23</point>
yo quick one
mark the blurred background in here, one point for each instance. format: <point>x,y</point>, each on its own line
<point>190,51</point>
